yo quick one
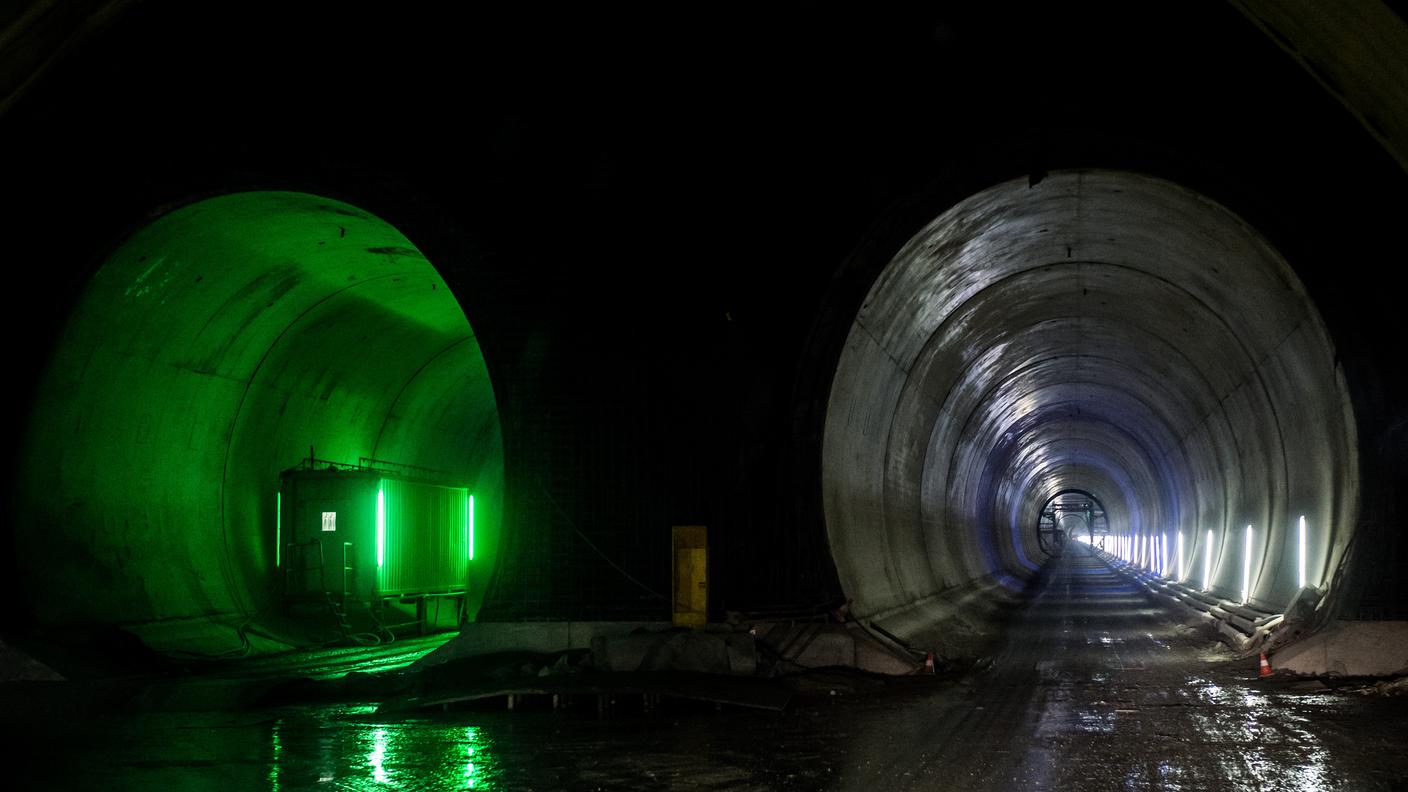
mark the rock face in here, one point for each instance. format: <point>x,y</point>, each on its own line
<point>16,666</point>
<point>1350,649</point>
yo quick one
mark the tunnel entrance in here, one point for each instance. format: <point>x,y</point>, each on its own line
<point>209,352</point>
<point>1071,515</point>
<point>1098,331</point>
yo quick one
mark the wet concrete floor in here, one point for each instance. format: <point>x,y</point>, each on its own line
<point>1096,689</point>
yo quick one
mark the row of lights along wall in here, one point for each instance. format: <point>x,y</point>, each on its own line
<point>1151,551</point>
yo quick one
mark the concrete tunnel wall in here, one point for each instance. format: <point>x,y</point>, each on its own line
<point>208,352</point>
<point>1104,331</point>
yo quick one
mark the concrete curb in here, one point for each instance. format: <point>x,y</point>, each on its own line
<point>1242,628</point>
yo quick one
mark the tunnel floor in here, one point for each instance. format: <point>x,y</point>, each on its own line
<point>1096,688</point>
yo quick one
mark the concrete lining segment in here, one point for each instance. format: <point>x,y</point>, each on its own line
<point>1104,331</point>
<point>1354,649</point>
<point>486,638</point>
<point>209,351</point>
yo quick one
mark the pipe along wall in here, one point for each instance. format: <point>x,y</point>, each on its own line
<point>1100,331</point>
<point>209,351</point>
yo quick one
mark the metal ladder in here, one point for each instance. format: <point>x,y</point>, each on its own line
<point>336,601</point>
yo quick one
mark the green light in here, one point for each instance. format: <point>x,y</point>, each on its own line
<point>278,529</point>
<point>469,527</point>
<point>480,766</point>
<point>377,758</point>
<point>276,761</point>
<point>380,526</point>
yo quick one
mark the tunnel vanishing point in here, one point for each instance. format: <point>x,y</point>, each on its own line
<point>863,294</point>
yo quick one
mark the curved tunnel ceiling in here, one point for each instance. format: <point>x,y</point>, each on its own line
<point>207,354</point>
<point>1101,331</point>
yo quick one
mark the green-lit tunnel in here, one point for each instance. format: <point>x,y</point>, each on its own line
<point>209,352</point>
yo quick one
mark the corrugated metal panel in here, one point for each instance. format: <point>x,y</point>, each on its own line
<point>425,538</point>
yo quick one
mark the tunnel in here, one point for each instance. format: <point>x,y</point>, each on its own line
<point>219,344</point>
<point>1101,331</point>
<point>814,396</point>
<point>1073,515</point>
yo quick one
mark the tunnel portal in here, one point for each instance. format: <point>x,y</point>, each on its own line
<point>1102,331</point>
<point>210,351</point>
<point>1071,515</point>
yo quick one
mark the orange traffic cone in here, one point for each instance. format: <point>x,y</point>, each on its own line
<point>929,663</point>
<point>1265,667</point>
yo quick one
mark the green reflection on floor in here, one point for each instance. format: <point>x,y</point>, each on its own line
<point>337,750</point>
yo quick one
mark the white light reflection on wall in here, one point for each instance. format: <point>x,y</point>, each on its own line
<point>1207,563</point>
<point>1182,569</point>
<point>1247,566</point>
<point>1300,567</point>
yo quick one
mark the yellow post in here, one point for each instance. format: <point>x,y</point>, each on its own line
<point>691,575</point>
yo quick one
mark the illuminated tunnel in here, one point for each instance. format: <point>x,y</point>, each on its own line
<point>1072,514</point>
<point>668,268</point>
<point>1099,331</point>
<point>209,352</point>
